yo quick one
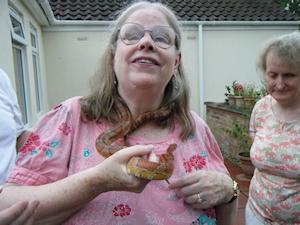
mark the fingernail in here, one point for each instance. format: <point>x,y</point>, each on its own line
<point>24,204</point>
<point>35,203</point>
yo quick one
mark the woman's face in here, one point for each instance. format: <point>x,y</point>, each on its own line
<point>144,65</point>
<point>283,80</point>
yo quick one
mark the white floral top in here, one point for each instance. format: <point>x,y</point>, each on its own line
<point>274,194</point>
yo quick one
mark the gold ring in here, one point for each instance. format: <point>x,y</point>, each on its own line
<point>199,199</point>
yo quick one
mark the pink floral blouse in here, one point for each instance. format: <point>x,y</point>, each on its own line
<point>274,195</point>
<point>61,145</point>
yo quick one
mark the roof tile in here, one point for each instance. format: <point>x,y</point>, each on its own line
<point>189,10</point>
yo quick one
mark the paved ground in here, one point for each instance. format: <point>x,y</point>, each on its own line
<point>243,182</point>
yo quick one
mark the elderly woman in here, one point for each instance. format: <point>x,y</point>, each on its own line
<point>274,195</point>
<point>141,77</point>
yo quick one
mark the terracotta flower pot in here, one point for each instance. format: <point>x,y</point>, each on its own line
<point>231,100</point>
<point>239,101</point>
<point>249,102</point>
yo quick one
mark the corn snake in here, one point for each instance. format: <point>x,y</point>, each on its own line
<point>137,166</point>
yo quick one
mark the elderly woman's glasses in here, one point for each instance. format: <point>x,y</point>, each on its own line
<point>132,33</point>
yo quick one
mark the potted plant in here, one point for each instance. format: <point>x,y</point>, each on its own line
<point>235,94</point>
<point>238,90</point>
<point>250,96</point>
<point>229,95</point>
<point>243,141</point>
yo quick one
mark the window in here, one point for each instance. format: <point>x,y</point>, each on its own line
<point>17,26</point>
<point>19,44</point>
<point>36,68</point>
<point>18,57</point>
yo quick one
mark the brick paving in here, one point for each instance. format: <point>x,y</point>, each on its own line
<point>243,182</point>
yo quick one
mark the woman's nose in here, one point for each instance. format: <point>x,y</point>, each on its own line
<point>147,42</point>
<point>280,83</point>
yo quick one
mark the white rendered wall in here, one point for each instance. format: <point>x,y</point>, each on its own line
<point>230,53</point>
<point>72,58</point>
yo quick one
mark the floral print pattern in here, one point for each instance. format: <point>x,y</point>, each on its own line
<point>34,145</point>
<point>121,210</point>
<point>65,128</point>
<point>196,162</point>
<point>274,194</point>
<point>208,218</point>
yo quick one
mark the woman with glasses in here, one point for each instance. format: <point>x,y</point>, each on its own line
<point>139,99</point>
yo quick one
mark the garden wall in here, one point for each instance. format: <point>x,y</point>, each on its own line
<point>221,117</point>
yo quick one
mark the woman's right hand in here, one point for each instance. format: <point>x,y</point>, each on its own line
<point>115,169</point>
<point>21,213</point>
<point>61,199</point>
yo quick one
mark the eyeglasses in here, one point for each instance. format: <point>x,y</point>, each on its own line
<point>132,33</point>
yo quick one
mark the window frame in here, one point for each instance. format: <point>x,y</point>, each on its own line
<point>18,17</point>
<point>36,70</point>
<point>23,80</point>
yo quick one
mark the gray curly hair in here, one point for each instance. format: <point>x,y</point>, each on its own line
<point>286,46</point>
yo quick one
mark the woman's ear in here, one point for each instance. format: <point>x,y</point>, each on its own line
<point>177,61</point>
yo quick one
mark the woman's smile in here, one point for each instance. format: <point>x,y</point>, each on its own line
<point>145,63</point>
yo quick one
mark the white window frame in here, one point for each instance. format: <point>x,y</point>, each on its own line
<point>16,37</point>
<point>20,43</point>
<point>24,92</point>
<point>36,70</point>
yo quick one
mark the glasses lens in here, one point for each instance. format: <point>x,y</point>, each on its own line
<point>131,33</point>
<point>163,36</point>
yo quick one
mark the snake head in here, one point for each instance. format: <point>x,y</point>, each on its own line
<point>168,156</point>
<point>167,159</point>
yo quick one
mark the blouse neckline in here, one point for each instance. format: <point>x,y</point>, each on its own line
<point>271,101</point>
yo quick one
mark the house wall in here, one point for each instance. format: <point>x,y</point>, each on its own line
<point>6,54</point>
<point>6,62</point>
<point>73,54</point>
<point>72,58</point>
<point>229,53</point>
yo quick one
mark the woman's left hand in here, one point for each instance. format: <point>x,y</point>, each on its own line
<point>203,189</point>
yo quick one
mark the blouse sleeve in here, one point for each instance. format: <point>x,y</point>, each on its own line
<point>6,87</point>
<point>252,127</point>
<point>16,113</point>
<point>214,155</point>
<point>45,154</point>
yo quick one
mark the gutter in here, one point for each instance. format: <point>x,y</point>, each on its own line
<point>242,23</point>
<point>36,11</point>
<point>188,23</point>
<point>48,11</point>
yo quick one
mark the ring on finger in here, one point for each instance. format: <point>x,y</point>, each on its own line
<point>199,199</point>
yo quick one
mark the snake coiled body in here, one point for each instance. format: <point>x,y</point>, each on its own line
<point>138,166</point>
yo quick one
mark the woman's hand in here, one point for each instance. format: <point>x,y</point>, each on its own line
<point>61,199</point>
<point>204,189</point>
<point>21,213</point>
<point>115,169</point>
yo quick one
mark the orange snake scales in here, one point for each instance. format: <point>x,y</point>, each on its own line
<point>138,166</point>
